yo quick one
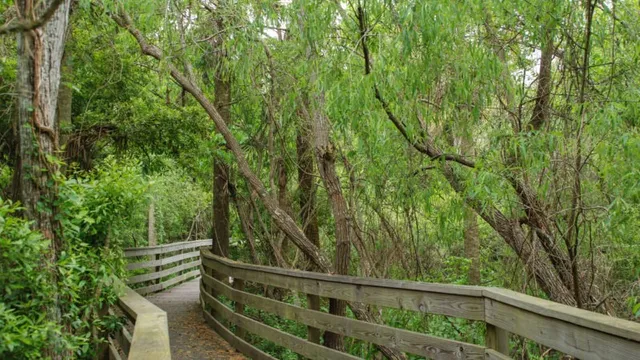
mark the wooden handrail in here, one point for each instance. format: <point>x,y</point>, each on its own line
<point>576,332</point>
<point>165,248</point>
<point>150,339</point>
<point>170,264</point>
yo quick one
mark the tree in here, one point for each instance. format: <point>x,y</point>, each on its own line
<point>40,53</point>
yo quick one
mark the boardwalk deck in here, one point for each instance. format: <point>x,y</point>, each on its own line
<point>191,338</point>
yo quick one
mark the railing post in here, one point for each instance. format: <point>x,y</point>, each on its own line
<point>313,303</point>
<point>158,268</point>
<point>238,307</point>
<point>497,339</point>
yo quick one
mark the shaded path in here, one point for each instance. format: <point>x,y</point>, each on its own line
<point>191,338</point>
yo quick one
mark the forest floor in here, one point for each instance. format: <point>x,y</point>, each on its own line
<point>191,338</point>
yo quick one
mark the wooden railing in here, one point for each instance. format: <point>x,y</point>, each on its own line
<point>150,339</point>
<point>575,332</point>
<point>169,265</point>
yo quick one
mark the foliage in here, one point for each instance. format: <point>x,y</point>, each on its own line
<point>26,289</point>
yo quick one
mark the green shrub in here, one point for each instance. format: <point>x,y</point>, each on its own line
<point>25,289</point>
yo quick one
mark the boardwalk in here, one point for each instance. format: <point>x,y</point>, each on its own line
<point>575,332</point>
<point>191,338</point>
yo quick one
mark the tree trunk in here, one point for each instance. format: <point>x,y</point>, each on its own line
<point>472,245</point>
<point>222,102</point>
<point>65,96</point>
<point>308,217</point>
<point>283,200</point>
<point>543,94</point>
<point>247,227</point>
<point>39,61</point>
<point>325,155</point>
<point>151,226</point>
<point>220,244</point>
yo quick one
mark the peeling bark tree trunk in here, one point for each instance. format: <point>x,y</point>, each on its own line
<point>39,60</point>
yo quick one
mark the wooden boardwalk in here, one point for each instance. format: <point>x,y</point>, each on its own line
<point>191,338</point>
<point>174,328</point>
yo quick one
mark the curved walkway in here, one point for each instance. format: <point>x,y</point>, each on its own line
<point>191,338</point>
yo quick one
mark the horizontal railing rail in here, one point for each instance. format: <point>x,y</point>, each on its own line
<point>150,338</point>
<point>163,265</point>
<point>572,331</point>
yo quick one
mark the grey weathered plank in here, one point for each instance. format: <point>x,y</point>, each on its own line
<point>162,249</point>
<point>150,340</point>
<point>497,339</point>
<point>588,319</point>
<point>165,284</point>
<point>581,342</point>
<point>133,303</point>
<point>471,291</point>
<point>164,261</point>
<point>160,274</point>
<point>295,344</point>
<point>113,352</point>
<point>494,355</point>
<point>463,306</point>
<point>123,338</point>
<point>407,341</point>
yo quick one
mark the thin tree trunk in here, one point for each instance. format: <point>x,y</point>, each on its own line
<point>472,245</point>
<point>325,156</point>
<point>543,94</point>
<point>222,102</point>
<point>247,228</point>
<point>308,217</point>
<point>40,54</point>
<point>283,199</point>
<point>151,225</point>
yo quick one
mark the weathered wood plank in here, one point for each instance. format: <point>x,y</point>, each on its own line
<point>238,343</point>
<point>238,306</point>
<point>494,355</point>
<point>163,261</point>
<point>407,341</point>
<point>150,338</point>
<point>132,303</point>
<point>463,306</point>
<point>471,291</point>
<point>165,284</point>
<point>497,339</point>
<point>295,344</point>
<point>161,249</point>
<point>113,352</point>
<point>156,275</point>
<point>123,338</point>
<point>583,343</point>
<point>588,319</point>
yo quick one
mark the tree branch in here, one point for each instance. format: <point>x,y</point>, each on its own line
<point>28,25</point>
